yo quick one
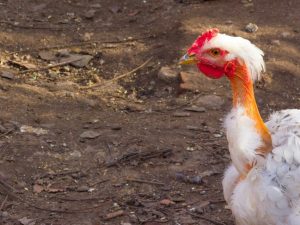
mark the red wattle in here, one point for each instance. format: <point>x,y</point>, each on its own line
<point>210,71</point>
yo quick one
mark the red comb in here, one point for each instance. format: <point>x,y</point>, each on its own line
<point>206,36</point>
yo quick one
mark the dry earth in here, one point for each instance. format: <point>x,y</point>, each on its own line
<point>128,151</point>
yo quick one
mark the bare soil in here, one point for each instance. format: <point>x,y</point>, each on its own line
<point>125,152</point>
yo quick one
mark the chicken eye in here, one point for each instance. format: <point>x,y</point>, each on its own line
<point>215,52</point>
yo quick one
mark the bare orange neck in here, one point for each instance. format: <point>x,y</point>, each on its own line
<point>243,95</point>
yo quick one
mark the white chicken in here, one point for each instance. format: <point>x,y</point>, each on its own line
<point>262,185</point>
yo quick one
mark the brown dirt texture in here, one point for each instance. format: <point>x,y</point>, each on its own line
<point>91,133</point>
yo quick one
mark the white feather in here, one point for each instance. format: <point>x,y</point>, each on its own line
<point>270,194</point>
<point>239,128</point>
<point>229,182</point>
<point>241,49</point>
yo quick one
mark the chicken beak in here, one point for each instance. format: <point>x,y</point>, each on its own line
<point>188,59</point>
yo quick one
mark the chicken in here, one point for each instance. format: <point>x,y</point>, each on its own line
<point>262,184</point>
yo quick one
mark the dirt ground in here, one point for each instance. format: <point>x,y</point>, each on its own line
<point>78,148</point>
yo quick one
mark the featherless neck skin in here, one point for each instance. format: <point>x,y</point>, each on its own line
<point>243,95</point>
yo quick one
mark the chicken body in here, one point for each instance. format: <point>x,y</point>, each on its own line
<point>270,193</point>
<point>262,184</point>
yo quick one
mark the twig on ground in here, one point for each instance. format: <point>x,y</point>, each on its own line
<point>85,210</point>
<point>6,185</point>
<point>98,182</point>
<point>6,133</point>
<point>210,201</point>
<point>30,27</point>
<point>118,77</point>
<point>3,203</point>
<point>63,173</point>
<point>217,201</point>
<point>78,199</point>
<point>127,157</point>
<point>10,191</point>
<point>207,219</point>
<point>79,44</point>
<point>114,214</point>
<point>50,66</point>
<point>144,181</point>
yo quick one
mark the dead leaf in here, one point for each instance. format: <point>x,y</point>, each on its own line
<point>195,109</point>
<point>33,130</point>
<point>7,74</point>
<point>87,36</point>
<point>90,134</point>
<point>187,220</point>
<point>39,7</point>
<point>54,190</point>
<point>22,64</point>
<point>90,14</point>
<point>26,221</point>
<point>167,202</point>
<point>78,60</point>
<point>114,214</point>
<point>209,173</point>
<point>134,13</point>
<point>181,114</point>
<point>115,9</point>
<point>47,55</point>
<point>37,188</point>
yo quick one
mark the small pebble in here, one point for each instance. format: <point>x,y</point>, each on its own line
<point>187,179</point>
<point>114,214</point>
<point>7,75</point>
<point>190,149</point>
<point>195,109</point>
<point>181,114</point>
<point>90,134</point>
<point>83,188</point>
<point>251,28</point>
<point>167,202</point>
<point>217,135</point>
<point>168,74</point>
<point>90,14</point>
<point>285,34</point>
<point>276,42</point>
<point>4,214</point>
<point>192,127</point>
<point>116,127</point>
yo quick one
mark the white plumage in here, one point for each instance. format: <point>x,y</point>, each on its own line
<point>262,185</point>
<point>270,193</point>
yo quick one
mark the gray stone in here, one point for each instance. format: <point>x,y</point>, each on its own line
<point>285,34</point>
<point>168,74</point>
<point>275,42</point>
<point>83,188</point>
<point>75,154</point>
<point>195,109</point>
<point>210,102</point>
<point>189,127</point>
<point>82,62</point>
<point>47,55</point>
<point>181,114</point>
<point>7,74</point>
<point>90,134</point>
<point>251,28</point>
<point>90,14</point>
